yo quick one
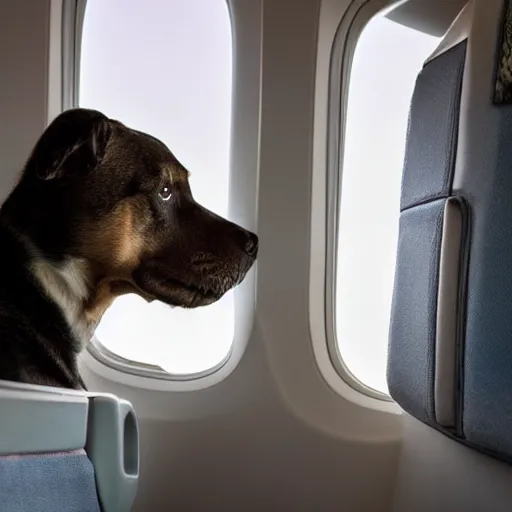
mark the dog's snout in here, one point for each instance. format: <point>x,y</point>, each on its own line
<point>251,244</point>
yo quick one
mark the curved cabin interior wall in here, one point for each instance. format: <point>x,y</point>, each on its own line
<point>266,436</point>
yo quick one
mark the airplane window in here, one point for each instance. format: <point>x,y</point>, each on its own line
<point>387,59</point>
<point>164,67</point>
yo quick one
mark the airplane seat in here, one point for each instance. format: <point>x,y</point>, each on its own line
<point>450,337</point>
<point>64,450</point>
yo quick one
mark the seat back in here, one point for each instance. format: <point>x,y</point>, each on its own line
<point>450,345</point>
<point>64,450</point>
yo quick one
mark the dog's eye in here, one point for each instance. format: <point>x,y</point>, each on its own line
<point>165,192</point>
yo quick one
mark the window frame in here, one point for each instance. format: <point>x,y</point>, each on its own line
<point>71,27</point>
<point>73,15</point>
<point>341,59</point>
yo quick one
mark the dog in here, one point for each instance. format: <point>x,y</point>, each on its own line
<point>101,210</point>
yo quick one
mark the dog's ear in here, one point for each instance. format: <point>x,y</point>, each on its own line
<point>73,143</point>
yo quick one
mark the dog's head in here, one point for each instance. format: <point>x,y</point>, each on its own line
<point>118,200</point>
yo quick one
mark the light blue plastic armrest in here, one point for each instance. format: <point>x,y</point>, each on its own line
<point>35,419</point>
<point>113,447</point>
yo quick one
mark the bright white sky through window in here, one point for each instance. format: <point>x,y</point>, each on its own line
<point>387,59</point>
<point>165,67</point>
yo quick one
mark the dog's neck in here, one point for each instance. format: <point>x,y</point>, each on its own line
<point>78,292</point>
<point>68,285</point>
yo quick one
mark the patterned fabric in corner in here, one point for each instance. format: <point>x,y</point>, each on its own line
<point>503,85</point>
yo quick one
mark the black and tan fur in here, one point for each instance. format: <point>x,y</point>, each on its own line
<point>102,210</point>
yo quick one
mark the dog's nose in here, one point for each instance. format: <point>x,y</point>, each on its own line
<point>251,245</point>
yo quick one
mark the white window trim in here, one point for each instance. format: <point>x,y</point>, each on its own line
<point>73,13</point>
<point>330,120</point>
<point>97,358</point>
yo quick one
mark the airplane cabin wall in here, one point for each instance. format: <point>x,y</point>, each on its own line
<point>438,474</point>
<point>271,435</point>
<point>24,29</point>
